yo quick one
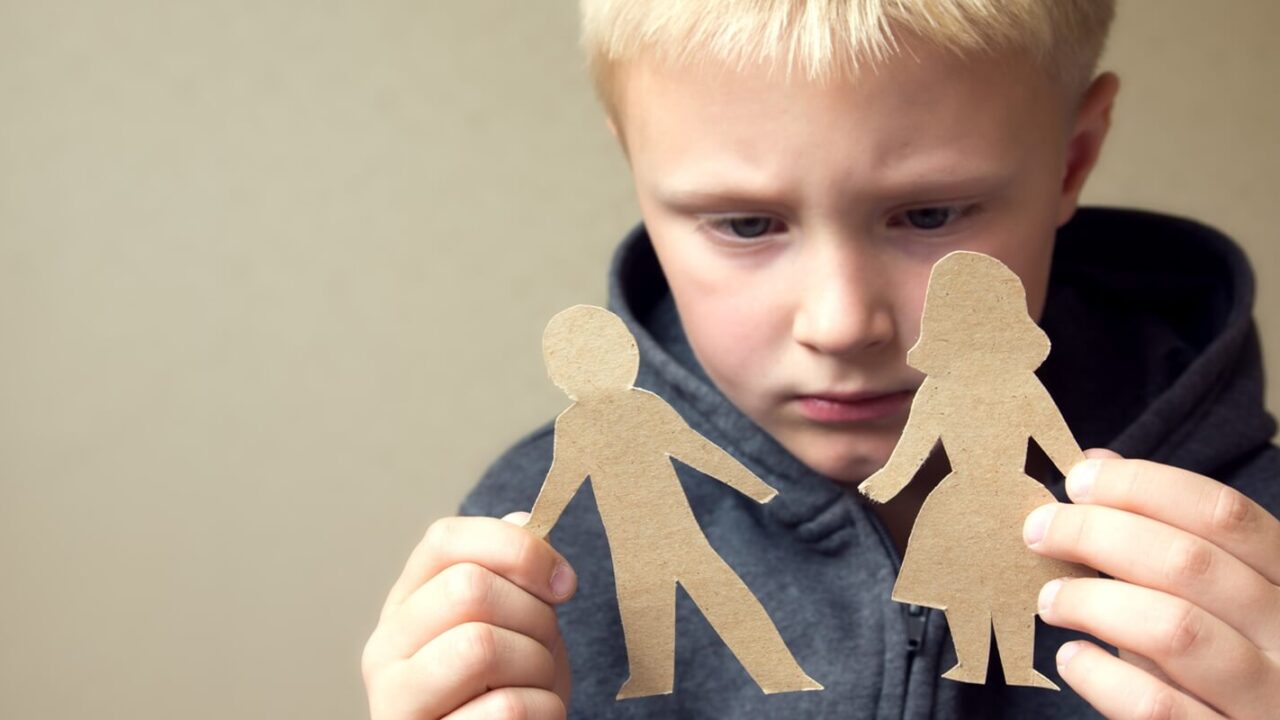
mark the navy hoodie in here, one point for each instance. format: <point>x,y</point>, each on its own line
<point>1155,355</point>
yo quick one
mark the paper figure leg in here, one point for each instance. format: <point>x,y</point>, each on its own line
<point>1016,638</point>
<point>648,610</point>
<point>971,634</point>
<point>744,626</point>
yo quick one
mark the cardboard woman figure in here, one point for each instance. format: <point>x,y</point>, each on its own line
<point>624,438</point>
<point>982,399</point>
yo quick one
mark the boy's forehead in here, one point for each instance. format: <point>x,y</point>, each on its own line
<point>970,114</point>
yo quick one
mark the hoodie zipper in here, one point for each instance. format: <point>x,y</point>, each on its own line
<point>916,617</point>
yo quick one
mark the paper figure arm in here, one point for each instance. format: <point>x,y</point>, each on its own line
<point>913,448</point>
<point>712,460</point>
<point>567,473</point>
<point>1050,431</point>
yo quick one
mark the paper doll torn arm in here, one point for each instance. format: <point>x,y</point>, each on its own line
<point>1048,428</point>
<point>696,451</point>
<point>568,471</point>
<point>913,448</point>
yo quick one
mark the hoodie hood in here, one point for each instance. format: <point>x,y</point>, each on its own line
<point>1156,354</point>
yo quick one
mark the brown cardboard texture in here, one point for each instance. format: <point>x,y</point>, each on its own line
<point>981,399</point>
<point>624,439</point>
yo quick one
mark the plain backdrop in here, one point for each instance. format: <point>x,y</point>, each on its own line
<point>272,281</point>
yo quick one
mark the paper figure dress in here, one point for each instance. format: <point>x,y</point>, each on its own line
<point>624,439</point>
<point>982,400</point>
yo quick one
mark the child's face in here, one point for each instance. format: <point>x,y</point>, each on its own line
<point>797,224</point>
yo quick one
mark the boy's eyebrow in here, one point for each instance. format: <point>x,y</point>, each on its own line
<point>936,188</point>
<point>695,198</point>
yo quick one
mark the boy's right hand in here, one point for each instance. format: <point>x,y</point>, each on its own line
<point>469,629</point>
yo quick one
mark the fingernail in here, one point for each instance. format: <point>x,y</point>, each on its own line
<point>1080,479</point>
<point>562,581</point>
<point>1037,523</point>
<point>519,517</point>
<point>1065,653</point>
<point>1047,594</point>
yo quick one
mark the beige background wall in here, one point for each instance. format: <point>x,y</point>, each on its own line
<point>272,279</point>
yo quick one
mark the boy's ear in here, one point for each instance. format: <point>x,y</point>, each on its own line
<point>617,135</point>
<point>1092,121</point>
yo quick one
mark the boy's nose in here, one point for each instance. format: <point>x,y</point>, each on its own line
<point>842,308</point>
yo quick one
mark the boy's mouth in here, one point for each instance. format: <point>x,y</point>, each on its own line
<point>853,407</point>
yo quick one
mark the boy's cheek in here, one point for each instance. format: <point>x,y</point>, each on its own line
<point>736,321</point>
<point>740,343</point>
<point>743,351</point>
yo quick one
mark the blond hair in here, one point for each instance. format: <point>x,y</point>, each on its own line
<point>836,38</point>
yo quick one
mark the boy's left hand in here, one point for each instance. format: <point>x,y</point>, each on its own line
<point>1194,605</point>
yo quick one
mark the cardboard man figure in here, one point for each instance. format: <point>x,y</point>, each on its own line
<point>982,400</point>
<point>624,438</point>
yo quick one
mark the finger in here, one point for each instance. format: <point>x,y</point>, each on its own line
<point>1198,652</point>
<point>464,593</point>
<point>1147,666</point>
<point>1121,691</point>
<point>1149,553</point>
<point>564,675</point>
<point>1197,504</point>
<point>465,662</point>
<point>512,702</point>
<point>500,546</point>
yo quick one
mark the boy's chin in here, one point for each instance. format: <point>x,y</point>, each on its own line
<point>844,462</point>
<point>851,474</point>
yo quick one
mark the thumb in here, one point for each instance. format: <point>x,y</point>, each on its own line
<point>519,517</point>
<point>1080,479</point>
<point>522,519</point>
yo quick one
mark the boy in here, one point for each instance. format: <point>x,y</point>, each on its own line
<point>799,167</point>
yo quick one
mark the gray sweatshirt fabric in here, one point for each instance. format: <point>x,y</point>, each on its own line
<point>1155,355</point>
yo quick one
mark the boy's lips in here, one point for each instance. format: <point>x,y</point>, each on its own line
<point>852,407</point>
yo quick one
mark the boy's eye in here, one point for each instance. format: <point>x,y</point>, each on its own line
<point>931,218</point>
<point>747,227</point>
<point>750,227</point>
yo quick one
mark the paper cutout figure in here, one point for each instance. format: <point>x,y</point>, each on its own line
<point>624,438</point>
<point>982,400</point>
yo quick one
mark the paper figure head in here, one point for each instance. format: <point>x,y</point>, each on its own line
<point>588,350</point>
<point>976,309</point>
